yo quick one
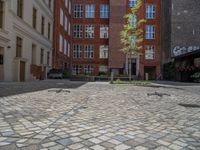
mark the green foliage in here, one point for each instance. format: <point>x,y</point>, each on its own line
<point>132,34</point>
<point>131,82</point>
<point>196,75</point>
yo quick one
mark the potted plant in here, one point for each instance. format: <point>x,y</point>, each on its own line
<point>196,77</point>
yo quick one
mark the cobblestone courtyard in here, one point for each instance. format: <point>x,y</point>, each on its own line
<point>97,116</point>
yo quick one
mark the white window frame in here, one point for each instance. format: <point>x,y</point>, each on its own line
<point>150,32</point>
<point>104,11</point>
<point>150,11</point>
<point>149,52</point>
<point>103,52</point>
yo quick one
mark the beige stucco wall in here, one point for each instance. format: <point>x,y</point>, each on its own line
<point>15,26</point>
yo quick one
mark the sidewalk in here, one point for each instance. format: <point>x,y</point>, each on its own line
<point>173,83</point>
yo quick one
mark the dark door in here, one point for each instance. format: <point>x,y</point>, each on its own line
<point>134,66</point>
<point>151,70</point>
<point>22,71</point>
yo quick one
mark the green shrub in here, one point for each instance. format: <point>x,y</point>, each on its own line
<point>196,75</point>
<point>118,81</point>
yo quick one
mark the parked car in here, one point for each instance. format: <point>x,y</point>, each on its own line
<point>55,74</point>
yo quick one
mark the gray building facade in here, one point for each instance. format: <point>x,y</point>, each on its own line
<point>181,36</point>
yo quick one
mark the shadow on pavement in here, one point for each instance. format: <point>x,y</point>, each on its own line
<point>14,88</point>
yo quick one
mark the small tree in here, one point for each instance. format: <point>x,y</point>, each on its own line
<point>132,35</point>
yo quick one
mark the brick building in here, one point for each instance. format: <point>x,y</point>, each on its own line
<point>62,34</point>
<point>94,42</point>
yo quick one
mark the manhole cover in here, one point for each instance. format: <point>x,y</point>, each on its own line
<point>190,105</point>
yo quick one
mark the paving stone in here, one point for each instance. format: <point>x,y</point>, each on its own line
<point>76,146</point>
<point>141,148</point>
<point>175,147</point>
<point>95,140</point>
<point>56,147</point>
<point>65,142</point>
<point>50,144</point>
<point>115,115</point>
<point>121,138</point>
<point>122,147</point>
<point>107,145</point>
<point>98,147</point>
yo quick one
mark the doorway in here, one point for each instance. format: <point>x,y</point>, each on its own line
<point>1,64</point>
<point>151,71</point>
<point>22,71</point>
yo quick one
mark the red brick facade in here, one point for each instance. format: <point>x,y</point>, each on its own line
<point>60,59</point>
<point>116,59</point>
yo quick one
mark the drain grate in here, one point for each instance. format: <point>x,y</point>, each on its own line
<point>190,105</point>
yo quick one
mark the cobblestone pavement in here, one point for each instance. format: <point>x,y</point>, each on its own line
<point>97,116</point>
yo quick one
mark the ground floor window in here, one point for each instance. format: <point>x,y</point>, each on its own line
<point>103,70</point>
<point>1,59</point>
<point>88,69</point>
<point>76,69</point>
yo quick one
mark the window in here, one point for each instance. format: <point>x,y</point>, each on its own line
<point>69,28</point>
<point>20,7</point>
<point>88,69</point>
<point>89,51</point>
<point>42,56</point>
<point>66,23</point>
<point>149,52</point>
<point>66,3</point>
<point>49,4</point>
<point>104,11</point>
<point>77,31</point>
<point>1,13</point>
<point>89,31</point>
<point>49,31</point>
<point>77,52</point>
<point>150,32</point>
<point>61,17</point>
<point>68,49</point>
<point>76,69</point>
<point>19,47</point>
<point>1,59</point>
<point>65,47</point>
<point>133,20</point>
<point>34,18</point>
<point>42,25</point>
<point>103,31</point>
<point>89,10</point>
<point>78,11</point>
<point>61,43</point>
<point>103,69</point>
<point>33,54</point>
<point>48,58</point>
<point>150,11</point>
<point>70,6</point>
<point>104,51</point>
<point>132,3</point>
